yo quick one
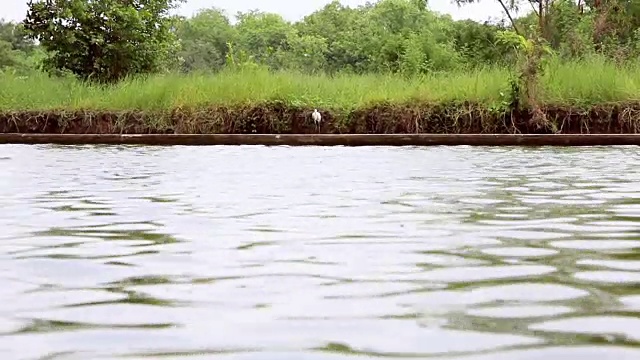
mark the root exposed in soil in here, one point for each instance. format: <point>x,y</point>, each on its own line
<point>279,118</point>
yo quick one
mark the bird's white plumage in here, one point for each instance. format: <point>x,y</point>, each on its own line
<point>317,119</point>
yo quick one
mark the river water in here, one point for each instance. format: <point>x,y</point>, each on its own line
<point>319,253</point>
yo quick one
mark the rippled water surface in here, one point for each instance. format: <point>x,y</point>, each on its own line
<point>319,253</point>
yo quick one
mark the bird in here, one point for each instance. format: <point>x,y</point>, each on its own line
<point>317,119</point>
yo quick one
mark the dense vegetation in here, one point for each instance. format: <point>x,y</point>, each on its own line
<point>349,62</point>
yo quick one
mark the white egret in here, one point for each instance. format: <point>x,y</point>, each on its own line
<point>317,118</point>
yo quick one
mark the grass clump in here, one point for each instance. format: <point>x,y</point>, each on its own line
<point>591,81</point>
<point>230,88</point>
<point>593,94</point>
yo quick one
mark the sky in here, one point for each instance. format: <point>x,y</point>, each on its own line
<point>15,10</point>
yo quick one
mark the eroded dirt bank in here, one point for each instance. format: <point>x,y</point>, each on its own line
<point>277,118</point>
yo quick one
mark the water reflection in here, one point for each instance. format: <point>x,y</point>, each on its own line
<point>289,253</point>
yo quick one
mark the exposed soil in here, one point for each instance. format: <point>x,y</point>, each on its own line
<point>272,118</point>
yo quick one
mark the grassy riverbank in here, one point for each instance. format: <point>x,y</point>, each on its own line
<point>589,96</point>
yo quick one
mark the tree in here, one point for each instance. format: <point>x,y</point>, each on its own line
<point>14,34</point>
<point>346,33</point>
<point>14,45</point>
<point>7,55</point>
<point>506,6</point>
<point>103,40</point>
<point>265,36</point>
<point>204,40</point>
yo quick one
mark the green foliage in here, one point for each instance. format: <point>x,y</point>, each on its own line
<point>118,39</point>
<point>16,51</point>
<point>265,36</point>
<point>345,32</point>
<point>250,85</point>
<point>103,40</point>
<point>478,43</point>
<point>591,81</point>
<point>15,35</point>
<point>7,55</point>
<point>204,40</point>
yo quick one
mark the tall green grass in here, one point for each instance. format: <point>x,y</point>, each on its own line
<point>587,82</point>
<point>592,81</point>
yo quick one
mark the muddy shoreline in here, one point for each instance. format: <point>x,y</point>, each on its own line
<point>275,118</point>
<point>327,139</point>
